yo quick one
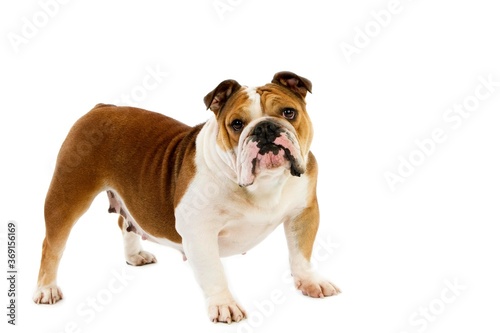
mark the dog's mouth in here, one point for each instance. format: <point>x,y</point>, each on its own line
<point>274,155</point>
<point>259,155</point>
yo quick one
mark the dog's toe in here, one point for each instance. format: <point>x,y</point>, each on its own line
<point>226,313</point>
<point>225,310</point>
<point>317,287</point>
<point>141,258</point>
<point>47,295</point>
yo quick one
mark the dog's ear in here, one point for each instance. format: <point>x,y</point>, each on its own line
<point>216,99</point>
<point>298,84</point>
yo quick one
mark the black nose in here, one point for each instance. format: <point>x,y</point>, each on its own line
<point>266,131</point>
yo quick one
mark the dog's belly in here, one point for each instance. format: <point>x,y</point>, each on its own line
<point>117,205</point>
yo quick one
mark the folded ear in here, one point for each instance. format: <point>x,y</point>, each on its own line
<point>298,84</point>
<point>216,99</point>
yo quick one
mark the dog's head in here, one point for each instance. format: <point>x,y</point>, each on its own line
<point>265,130</point>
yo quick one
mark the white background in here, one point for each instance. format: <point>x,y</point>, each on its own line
<point>391,252</point>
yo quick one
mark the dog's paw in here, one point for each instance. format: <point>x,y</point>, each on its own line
<point>224,310</point>
<point>317,287</point>
<point>47,295</point>
<point>141,258</point>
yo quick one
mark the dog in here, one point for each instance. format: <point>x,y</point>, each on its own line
<point>210,191</point>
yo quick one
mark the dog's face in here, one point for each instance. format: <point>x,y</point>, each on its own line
<point>265,130</point>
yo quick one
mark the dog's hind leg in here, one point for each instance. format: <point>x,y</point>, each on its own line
<point>134,254</point>
<point>67,200</point>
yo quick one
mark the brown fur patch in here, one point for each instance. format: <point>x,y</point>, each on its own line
<point>236,108</point>
<point>131,151</point>
<point>305,226</point>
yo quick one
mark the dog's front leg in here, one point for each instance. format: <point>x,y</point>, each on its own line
<point>202,252</point>
<point>300,233</point>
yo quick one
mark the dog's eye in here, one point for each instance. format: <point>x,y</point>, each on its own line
<point>289,113</point>
<point>237,124</point>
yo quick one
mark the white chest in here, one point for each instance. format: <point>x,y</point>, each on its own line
<point>243,230</point>
<point>239,219</point>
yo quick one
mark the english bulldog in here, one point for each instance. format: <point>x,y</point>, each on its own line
<point>209,191</point>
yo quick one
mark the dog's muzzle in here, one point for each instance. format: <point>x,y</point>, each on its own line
<point>268,146</point>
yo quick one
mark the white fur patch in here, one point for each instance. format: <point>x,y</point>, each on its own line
<point>255,108</point>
